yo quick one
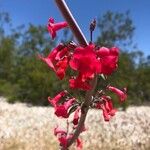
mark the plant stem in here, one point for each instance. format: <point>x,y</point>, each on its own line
<point>71,22</point>
<point>82,41</point>
<point>91,36</point>
<point>85,108</point>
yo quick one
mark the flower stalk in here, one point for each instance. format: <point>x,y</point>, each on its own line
<point>84,110</point>
<point>71,22</point>
<point>82,41</point>
<point>89,61</point>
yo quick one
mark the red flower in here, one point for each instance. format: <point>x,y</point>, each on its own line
<point>61,67</point>
<point>121,94</point>
<point>57,98</point>
<point>78,83</point>
<point>105,113</point>
<point>84,60</point>
<point>63,141</point>
<point>51,57</point>
<point>76,116</point>
<point>108,59</point>
<point>62,53</point>
<point>62,136</point>
<point>107,107</point>
<point>52,27</point>
<point>57,60</point>
<point>57,131</point>
<point>79,144</point>
<point>62,109</point>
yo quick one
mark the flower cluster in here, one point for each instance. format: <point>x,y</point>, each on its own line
<point>86,62</point>
<point>63,138</point>
<point>62,110</point>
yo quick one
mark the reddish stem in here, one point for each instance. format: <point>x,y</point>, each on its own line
<point>71,22</point>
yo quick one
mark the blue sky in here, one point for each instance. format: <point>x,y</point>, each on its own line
<point>38,12</point>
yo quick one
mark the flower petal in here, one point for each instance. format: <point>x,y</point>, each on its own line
<point>121,94</point>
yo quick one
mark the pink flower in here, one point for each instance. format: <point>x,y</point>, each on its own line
<point>49,60</point>
<point>57,131</point>
<point>63,141</point>
<point>79,144</point>
<point>121,94</point>
<point>105,113</point>
<point>76,116</point>
<point>79,84</point>
<point>57,98</point>
<point>62,109</point>
<point>61,67</point>
<point>84,60</point>
<point>52,27</point>
<point>62,136</point>
<point>107,107</point>
<point>108,59</point>
<point>60,54</point>
<point>57,60</point>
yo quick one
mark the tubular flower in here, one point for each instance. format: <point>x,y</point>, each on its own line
<point>62,136</point>
<point>49,60</point>
<point>105,113</point>
<point>84,60</point>
<point>56,99</point>
<point>108,59</point>
<point>53,27</point>
<point>76,116</point>
<point>62,109</point>
<point>57,60</point>
<point>121,94</point>
<point>79,84</point>
<point>61,67</point>
<point>107,107</point>
<point>79,144</point>
<point>57,131</point>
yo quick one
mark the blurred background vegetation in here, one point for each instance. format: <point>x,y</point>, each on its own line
<point>24,78</point>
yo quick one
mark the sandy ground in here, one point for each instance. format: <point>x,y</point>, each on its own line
<point>31,128</point>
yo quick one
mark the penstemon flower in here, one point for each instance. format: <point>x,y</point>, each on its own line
<point>76,116</point>
<point>57,60</point>
<point>106,105</point>
<point>53,27</point>
<point>108,59</point>
<point>88,62</point>
<point>121,94</point>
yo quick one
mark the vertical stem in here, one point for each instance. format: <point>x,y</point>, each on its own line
<point>91,36</point>
<point>71,22</point>
<point>82,41</point>
<point>84,109</point>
